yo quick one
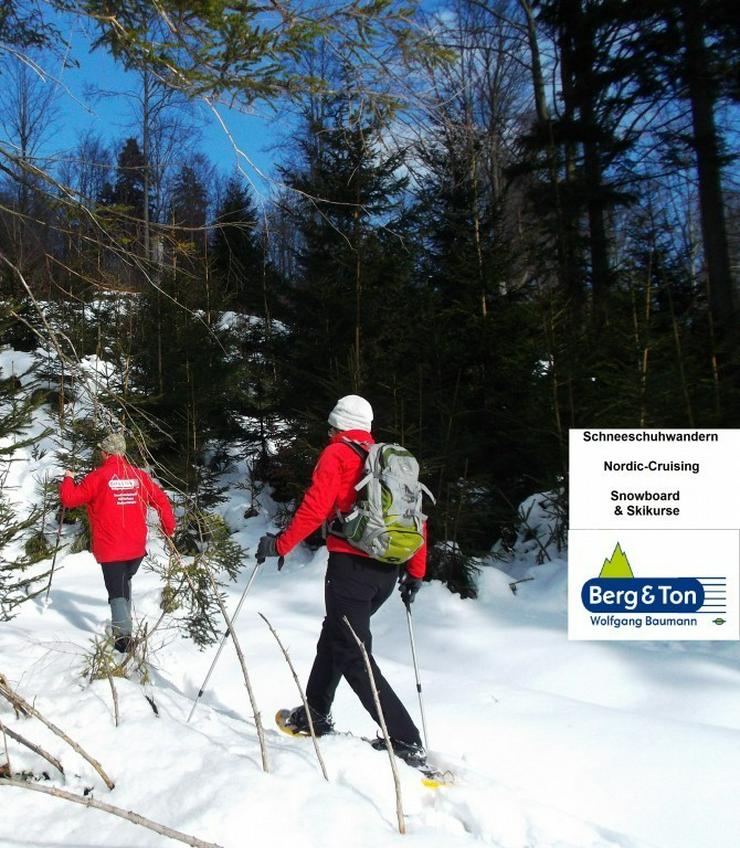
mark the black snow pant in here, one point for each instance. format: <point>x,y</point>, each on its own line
<point>357,587</point>
<point>117,576</point>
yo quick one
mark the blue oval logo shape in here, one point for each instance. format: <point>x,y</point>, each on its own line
<point>642,594</point>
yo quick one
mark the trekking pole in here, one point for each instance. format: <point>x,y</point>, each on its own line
<point>416,672</point>
<point>225,637</point>
<point>54,558</point>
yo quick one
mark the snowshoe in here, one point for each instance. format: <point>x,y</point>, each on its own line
<point>412,755</point>
<point>415,756</point>
<point>295,722</point>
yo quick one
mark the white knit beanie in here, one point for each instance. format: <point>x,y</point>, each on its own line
<point>352,412</point>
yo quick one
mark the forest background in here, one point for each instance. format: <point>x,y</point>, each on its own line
<point>495,219</point>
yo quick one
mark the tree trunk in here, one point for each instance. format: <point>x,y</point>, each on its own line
<point>145,128</point>
<point>565,261</point>
<point>706,143</point>
<point>585,85</point>
<point>598,243</point>
<point>570,269</point>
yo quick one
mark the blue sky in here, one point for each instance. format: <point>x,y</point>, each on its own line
<point>112,118</point>
<point>259,133</point>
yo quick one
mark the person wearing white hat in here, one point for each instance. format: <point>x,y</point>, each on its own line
<point>355,586</point>
<point>351,412</point>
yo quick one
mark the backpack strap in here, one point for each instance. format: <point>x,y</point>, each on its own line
<point>330,527</point>
<point>427,493</point>
<point>358,447</point>
<point>362,449</point>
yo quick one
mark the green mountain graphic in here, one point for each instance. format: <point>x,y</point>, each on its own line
<point>618,565</point>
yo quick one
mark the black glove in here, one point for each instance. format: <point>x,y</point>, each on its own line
<point>408,586</point>
<point>267,547</point>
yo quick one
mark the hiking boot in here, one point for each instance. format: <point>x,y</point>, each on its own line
<point>123,644</point>
<point>411,754</point>
<point>297,721</point>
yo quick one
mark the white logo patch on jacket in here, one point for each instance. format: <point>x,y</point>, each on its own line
<point>125,490</point>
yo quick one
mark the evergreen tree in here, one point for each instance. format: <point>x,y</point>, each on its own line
<point>20,546</point>
<point>690,51</point>
<point>128,188</point>
<point>186,374</point>
<point>203,551</point>
<point>237,250</point>
<point>120,220</point>
<point>346,304</point>
<point>347,307</point>
<point>481,390</point>
<point>595,128</point>
<point>189,212</point>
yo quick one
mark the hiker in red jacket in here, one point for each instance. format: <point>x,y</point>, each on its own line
<point>355,586</point>
<point>117,496</point>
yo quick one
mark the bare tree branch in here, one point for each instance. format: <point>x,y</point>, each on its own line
<point>303,697</point>
<point>383,726</point>
<point>247,683</point>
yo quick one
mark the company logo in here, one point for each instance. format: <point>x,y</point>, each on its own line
<point>617,590</point>
<point>122,483</point>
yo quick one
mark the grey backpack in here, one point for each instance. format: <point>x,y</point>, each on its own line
<point>386,521</point>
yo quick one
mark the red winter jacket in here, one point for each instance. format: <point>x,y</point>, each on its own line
<point>332,487</point>
<point>117,496</point>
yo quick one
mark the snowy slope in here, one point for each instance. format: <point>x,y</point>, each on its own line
<point>554,744</point>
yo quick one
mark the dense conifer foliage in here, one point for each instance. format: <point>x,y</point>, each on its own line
<point>520,228</point>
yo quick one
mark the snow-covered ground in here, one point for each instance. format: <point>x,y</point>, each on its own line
<point>554,744</point>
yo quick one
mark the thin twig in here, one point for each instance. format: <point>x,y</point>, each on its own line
<point>247,683</point>
<point>383,727</point>
<point>21,740</point>
<point>56,551</point>
<point>115,696</point>
<point>7,754</point>
<point>515,583</point>
<point>314,739</point>
<point>135,818</point>
<point>18,702</point>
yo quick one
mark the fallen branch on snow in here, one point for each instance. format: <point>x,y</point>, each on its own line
<point>135,818</point>
<point>19,704</point>
<point>21,740</point>
<point>6,767</point>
